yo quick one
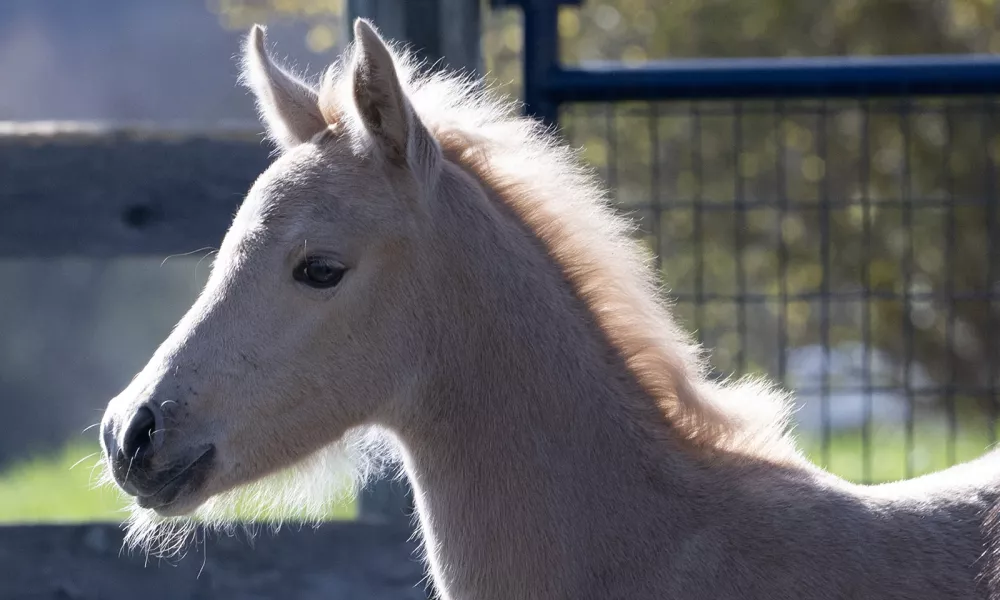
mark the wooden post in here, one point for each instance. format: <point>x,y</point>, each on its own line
<point>437,30</point>
<point>444,33</point>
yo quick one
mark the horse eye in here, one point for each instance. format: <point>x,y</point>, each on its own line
<point>319,273</point>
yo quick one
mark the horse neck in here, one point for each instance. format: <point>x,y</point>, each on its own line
<point>529,429</point>
<point>541,469</point>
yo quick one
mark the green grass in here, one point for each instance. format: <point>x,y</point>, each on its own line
<point>59,487</point>
<point>887,459</point>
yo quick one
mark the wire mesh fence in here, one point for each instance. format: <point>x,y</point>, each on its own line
<point>847,248</point>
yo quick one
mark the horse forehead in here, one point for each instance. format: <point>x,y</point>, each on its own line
<point>293,181</point>
<point>303,187</point>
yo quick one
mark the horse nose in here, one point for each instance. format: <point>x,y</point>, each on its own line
<point>137,442</point>
<point>130,450</point>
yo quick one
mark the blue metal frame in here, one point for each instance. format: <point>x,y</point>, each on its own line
<point>547,84</point>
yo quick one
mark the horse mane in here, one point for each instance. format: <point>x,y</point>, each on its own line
<point>545,183</point>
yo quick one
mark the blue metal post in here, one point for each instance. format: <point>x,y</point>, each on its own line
<point>541,58</point>
<point>541,54</point>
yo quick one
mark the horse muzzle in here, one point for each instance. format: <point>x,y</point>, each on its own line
<point>156,474</point>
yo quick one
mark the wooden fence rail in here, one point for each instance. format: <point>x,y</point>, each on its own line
<point>369,561</point>
<point>102,192</point>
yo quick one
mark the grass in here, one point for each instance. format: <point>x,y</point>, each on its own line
<point>887,456</point>
<point>59,487</point>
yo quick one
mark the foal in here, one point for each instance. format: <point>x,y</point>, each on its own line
<point>419,262</point>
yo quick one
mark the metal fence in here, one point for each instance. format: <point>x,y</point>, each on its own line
<point>830,222</point>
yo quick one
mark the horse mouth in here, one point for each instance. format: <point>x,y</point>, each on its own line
<point>166,499</point>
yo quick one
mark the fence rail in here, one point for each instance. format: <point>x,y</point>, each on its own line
<point>336,560</point>
<point>756,78</point>
<point>116,191</point>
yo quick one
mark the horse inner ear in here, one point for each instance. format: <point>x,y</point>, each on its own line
<point>385,110</point>
<point>289,107</point>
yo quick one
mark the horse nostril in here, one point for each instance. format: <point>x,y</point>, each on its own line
<point>138,439</point>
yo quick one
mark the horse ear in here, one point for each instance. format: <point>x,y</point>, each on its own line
<point>383,106</point>
<point>288,106</point>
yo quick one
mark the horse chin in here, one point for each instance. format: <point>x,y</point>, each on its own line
<point>181,507</point>
<point>183,493</point>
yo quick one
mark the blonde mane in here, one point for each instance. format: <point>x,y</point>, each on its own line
<point>546,185</point>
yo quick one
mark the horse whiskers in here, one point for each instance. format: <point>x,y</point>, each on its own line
<point>183,254</point>
<point>91,455</point>
<point>129,470</point>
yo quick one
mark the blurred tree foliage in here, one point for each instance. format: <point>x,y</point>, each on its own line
<point>325,17</point>
<point>851,224</point>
